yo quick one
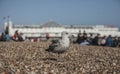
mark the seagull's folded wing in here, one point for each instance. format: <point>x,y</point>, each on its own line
<point>54,44</point>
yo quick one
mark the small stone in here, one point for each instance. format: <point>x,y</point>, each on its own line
<point>3,73</point>
<point>32,72</point>
<point>83,71</point>
<point>114,64</point>
<point>45,73</point>
<point>18,71</point>
<point>105,71</point>
<point>52,71</point>
<point>114,73</point>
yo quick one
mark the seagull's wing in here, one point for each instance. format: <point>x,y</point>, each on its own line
<point>55,41</point>
<point>60,47</point>
<point>53,45</point>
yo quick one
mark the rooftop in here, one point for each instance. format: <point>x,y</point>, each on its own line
<point>51,24</point>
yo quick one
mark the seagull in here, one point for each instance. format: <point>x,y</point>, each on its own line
<point>61,45</point>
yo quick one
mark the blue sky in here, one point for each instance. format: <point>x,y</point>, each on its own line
<point>87,12</point>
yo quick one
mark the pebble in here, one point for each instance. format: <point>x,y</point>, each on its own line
<point>31,58</point>
<point>32,72</point>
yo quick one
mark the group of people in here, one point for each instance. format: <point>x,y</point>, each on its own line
<point>83,39</point>
<point>16,37</point>
<point>4,37</point>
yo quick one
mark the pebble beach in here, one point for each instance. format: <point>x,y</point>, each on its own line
<point>31,58</point>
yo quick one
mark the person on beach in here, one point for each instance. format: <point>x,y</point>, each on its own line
<point>2,37</point>
<point>96,39</point>
<point>7,37</point>
<point>15,36</point>
<point>103,41</point>
<point>109,41</point>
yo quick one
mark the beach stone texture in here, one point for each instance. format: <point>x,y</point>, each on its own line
<point>31,58</point>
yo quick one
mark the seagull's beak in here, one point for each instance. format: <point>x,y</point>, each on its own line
<point>66,32</point>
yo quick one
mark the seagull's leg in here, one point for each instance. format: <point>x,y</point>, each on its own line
<point>58,56</point>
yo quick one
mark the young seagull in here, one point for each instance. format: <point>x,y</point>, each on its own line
<point>61,45</point>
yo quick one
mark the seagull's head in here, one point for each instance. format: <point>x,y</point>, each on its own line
<point>65,35</point>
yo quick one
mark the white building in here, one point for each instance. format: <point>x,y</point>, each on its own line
<point>54,29</point>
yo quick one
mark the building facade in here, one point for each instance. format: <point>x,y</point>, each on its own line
<point>54,29</point>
